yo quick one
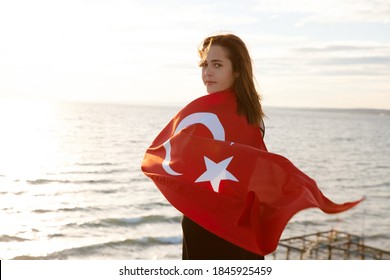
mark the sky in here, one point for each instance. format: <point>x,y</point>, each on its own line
<point>333,53</point>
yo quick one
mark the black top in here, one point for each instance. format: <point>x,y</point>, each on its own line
<point>262,127</point>
<point>201,244</point>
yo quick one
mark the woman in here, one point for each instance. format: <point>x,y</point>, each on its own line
<point>211,163</point>
<point>226,65</point>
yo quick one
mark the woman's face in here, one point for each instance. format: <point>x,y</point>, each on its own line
<point>217,70</point>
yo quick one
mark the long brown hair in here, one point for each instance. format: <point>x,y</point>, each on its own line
<point>248,99</point>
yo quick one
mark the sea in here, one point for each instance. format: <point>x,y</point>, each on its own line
<point>71,187</point>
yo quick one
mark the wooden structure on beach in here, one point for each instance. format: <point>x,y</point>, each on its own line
<point>328,245</point>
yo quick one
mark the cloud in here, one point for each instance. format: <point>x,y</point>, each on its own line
<point>348,59</point>
<point>329,58</point>
<point>341,48</point>
<point>330,11</point>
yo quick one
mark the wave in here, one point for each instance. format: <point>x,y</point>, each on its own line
<point>377,185</point>
<point>42,211</point>
<point>382,167</point>
<point>76,209</point>
<point>153,205</point>
<point>56,235</point>
<point>99,248</point>
<point>150,219</point>
<point>306,223</point>
<point>342,139</point>
<point>97,164</point>
<point>106,191</point>
<point>109,171</point>
<point>49,181</point>
<point>8,238</point>
<point>377,236</point>
<point>126,222</point>
<point>66,209</point>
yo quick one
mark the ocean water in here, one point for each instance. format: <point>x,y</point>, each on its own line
<point>71,185</point>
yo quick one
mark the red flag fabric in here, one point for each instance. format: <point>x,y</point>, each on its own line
<point>214,167</point>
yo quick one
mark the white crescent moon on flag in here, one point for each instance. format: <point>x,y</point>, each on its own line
<point>209,120</point>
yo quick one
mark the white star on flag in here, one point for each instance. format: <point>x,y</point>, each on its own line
<point>216,172</point>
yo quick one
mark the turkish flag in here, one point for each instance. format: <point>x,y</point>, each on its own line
<point>214,167</point>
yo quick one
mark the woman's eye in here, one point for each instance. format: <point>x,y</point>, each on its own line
<point>217,65</point>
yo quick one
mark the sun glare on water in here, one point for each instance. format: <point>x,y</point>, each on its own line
<point>27,146</point>
<point>29,150</point>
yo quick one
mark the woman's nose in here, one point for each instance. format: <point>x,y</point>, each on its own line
<point>207,71</point>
